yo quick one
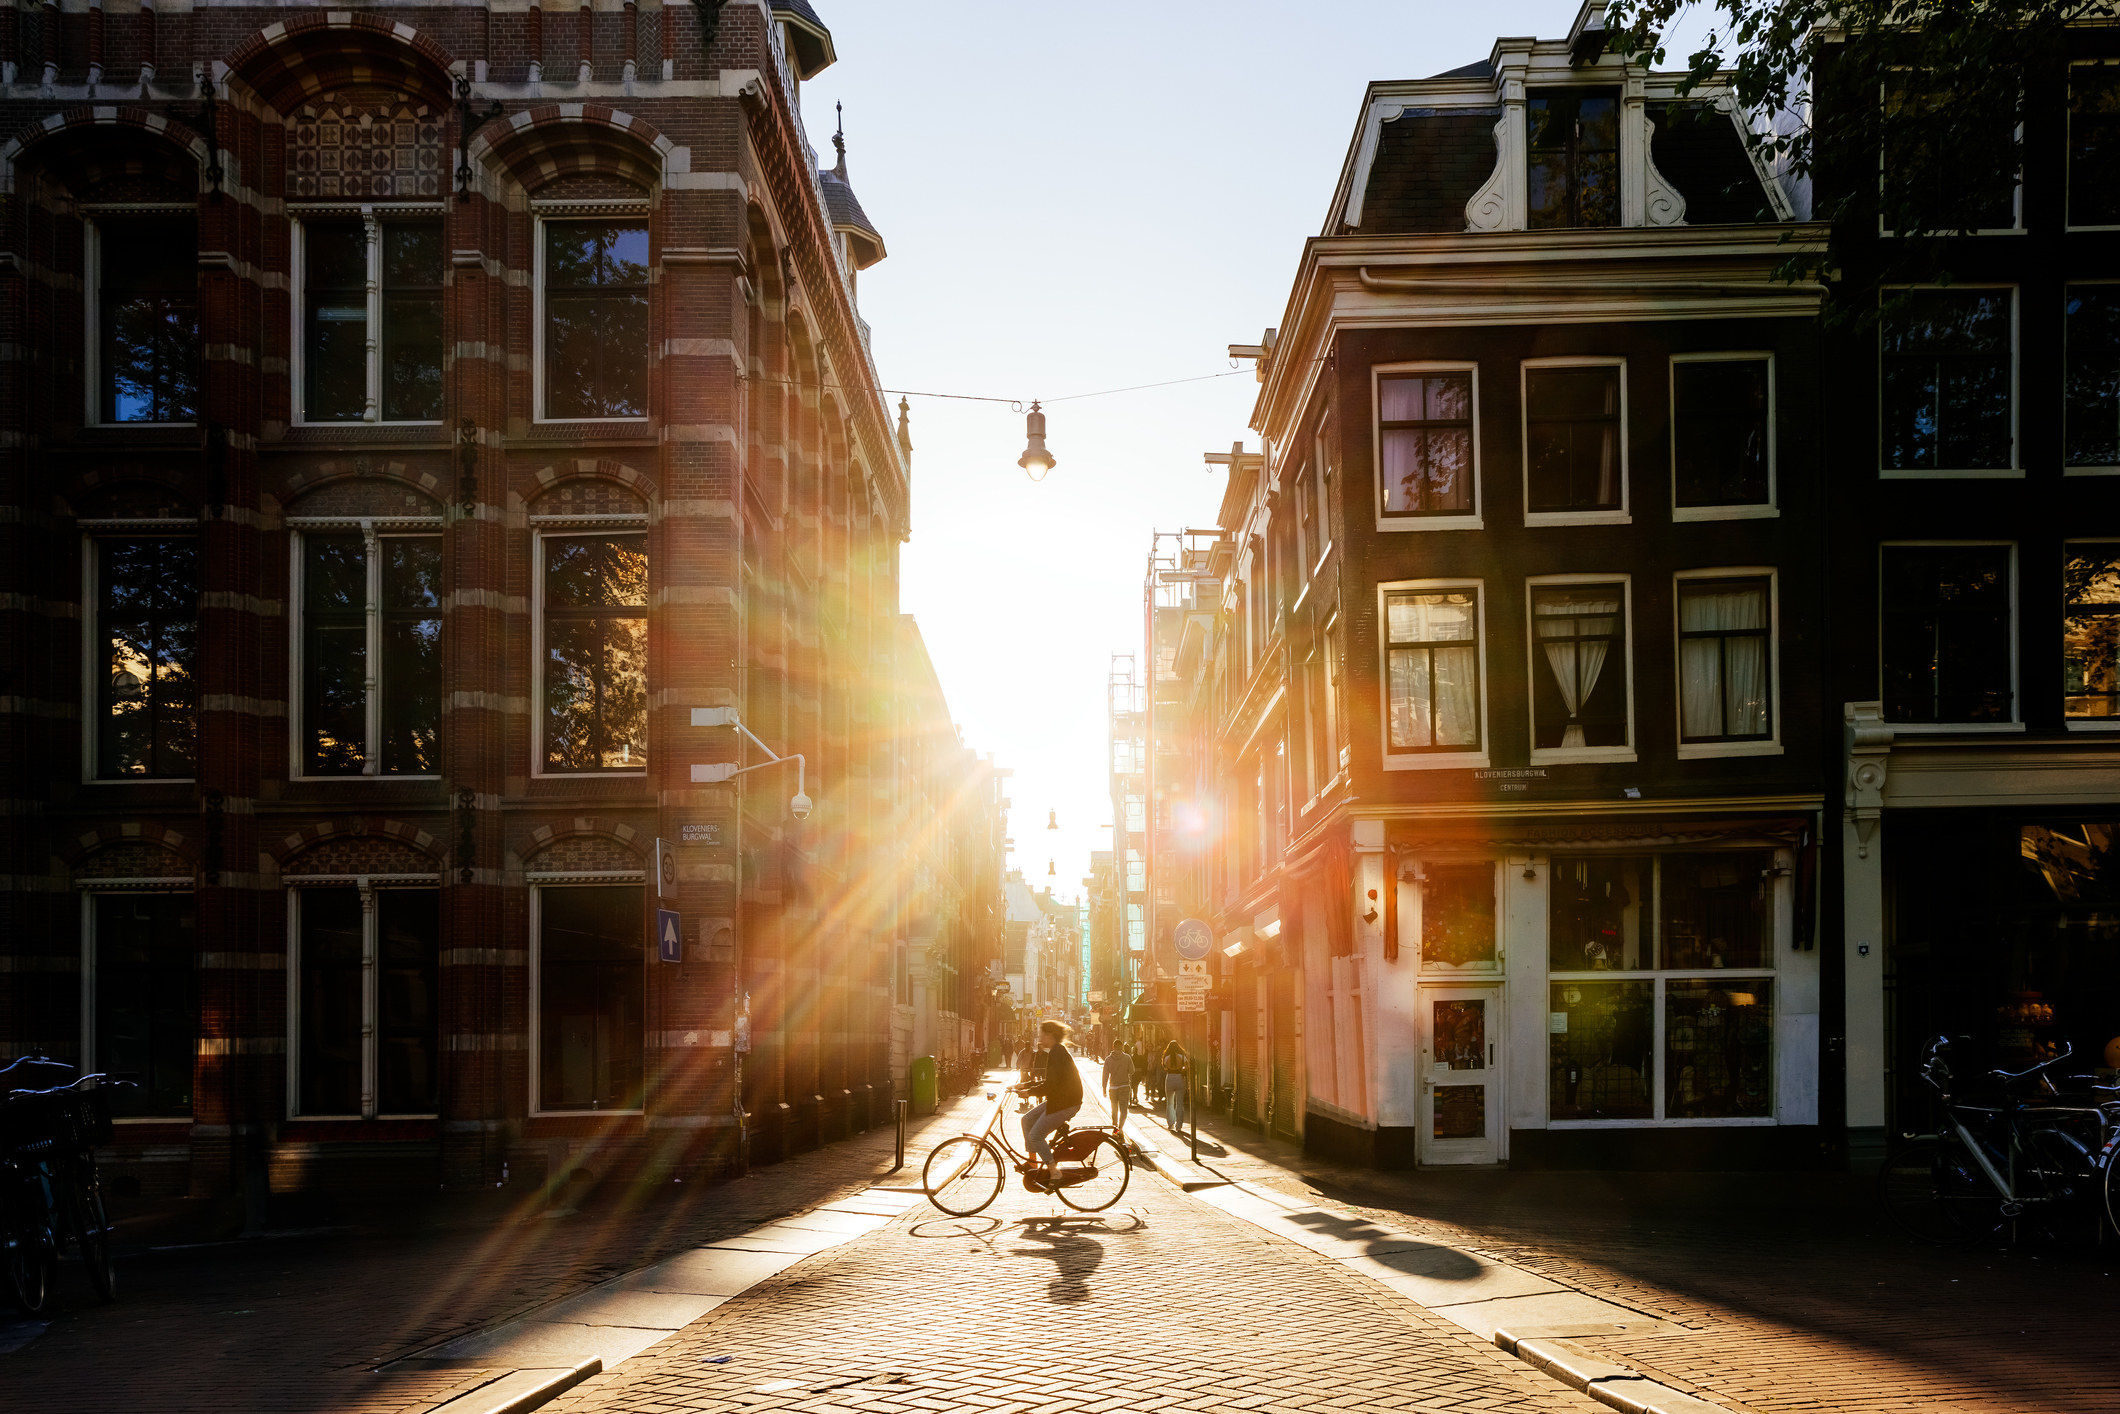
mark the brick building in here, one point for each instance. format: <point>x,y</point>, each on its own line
<point>414,417</point>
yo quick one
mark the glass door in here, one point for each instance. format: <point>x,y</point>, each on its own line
<point>1461,1094</point>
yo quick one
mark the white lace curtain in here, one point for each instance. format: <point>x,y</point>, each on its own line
<point>1723,674</point>
<point>1577,627</point>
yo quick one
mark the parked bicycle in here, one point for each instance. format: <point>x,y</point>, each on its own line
<point>965,1173</point>
<point>50,1190</point>
<point>2039,1154</point>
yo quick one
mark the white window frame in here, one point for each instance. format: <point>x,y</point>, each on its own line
<point>373,531</point>
<point>1430,760</point>
<point>1459,520</point>
<point>1322,468</point>
<point>538,884</point>
<point>626,211</point>
<point>2067,285</point>
<point>1625,514</point>
<point>372,218</point>
<point>1705,750</point>
<point>92,308</point>
<point>541,529</point>
<point>1761,510</point>
<point>2016,721</point>
<point>371,989</point>
<point>2069,143</point>
<point>93,533</point>
<point>89,889</point>
<point>2015,470</point>
<point>1780,938</point>
<point>1534,663</point>
<point>2093,725</point>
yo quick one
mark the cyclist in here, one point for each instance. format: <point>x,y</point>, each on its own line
<point>1061,1089</point>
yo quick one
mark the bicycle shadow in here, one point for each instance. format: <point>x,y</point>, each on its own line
<point>1075,1254</point>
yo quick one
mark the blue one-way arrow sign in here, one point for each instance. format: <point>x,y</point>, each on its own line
<point>669,944</point>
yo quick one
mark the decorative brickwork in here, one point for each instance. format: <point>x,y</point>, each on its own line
<point>582,852</point>
<point>133,859</point>
<point>369,855</point>
<point>370,145</point>
<point>369,497</point>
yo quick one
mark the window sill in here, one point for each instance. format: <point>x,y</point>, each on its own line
<point>1734,1122</point>
<point>1971,474</point>
<point>1955,728</point>
<point>2093,725</point>
<point>2090,471</point>
<point>1390,524</point>
<point>1571,755</point>
<point>1686,513</point>
<point>359,776</point>
<point>1709,750</point>
<point>1537,518</point>
<point>1440,761</point>
<point>141,781</point>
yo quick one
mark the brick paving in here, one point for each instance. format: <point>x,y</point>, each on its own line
<point>287,1325</point>
<point>1791,1292</point>
<point>1163,1304</point>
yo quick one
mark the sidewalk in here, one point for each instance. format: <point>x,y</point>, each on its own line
<point>1769,1293</point>
<point>296,1323</point>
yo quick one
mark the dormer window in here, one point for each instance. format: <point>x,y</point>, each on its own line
<point>1573,167</point>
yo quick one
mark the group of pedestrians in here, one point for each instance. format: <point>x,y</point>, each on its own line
<point>1126,1070</point>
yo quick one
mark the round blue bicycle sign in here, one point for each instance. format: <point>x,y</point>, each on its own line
<point>1194,939</point>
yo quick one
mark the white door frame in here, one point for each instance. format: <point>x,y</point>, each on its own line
<point>1492,1147</point>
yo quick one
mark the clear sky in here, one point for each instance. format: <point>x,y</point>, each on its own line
<point>1078,197</point>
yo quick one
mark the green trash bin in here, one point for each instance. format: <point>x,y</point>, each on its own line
<point>920,1081</point>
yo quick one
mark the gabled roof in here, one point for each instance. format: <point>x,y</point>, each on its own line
<point>811,51</point>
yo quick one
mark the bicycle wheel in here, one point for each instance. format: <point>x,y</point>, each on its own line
<point>1936,1191</point>
<point>31,1260</point>
<point>963,1175</point>
<point>91,1225</point>
<point>1104,1172</point>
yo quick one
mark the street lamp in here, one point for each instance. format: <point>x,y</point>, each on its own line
<point>1035,458</point>
<point>710,773</point>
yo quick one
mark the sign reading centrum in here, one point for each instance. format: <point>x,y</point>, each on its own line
<point>1195,939</point>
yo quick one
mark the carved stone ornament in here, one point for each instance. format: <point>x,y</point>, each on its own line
<point>1488,210</point>
<point>1869,744</point>
<point>1663,204</point>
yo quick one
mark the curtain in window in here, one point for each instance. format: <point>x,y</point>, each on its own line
<point>1724,671</point>
<point>1576,630</point>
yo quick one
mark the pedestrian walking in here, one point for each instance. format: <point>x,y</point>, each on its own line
<point>1060,1087</point>
<point>1176,1066</point>
<point>1147,1073</point>
<point>1119,1084</point>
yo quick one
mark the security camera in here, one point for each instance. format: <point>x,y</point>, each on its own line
<point>799,806</point>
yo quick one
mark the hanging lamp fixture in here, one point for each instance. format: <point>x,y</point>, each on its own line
<point>1052,819</point>
<point>1035,459</point>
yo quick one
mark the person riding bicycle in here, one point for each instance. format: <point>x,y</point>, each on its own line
<point>1061,1089</point>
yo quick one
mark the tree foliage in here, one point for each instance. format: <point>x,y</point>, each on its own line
<point>1899,115</point>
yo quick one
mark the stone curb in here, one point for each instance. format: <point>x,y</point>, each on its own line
<point>1607,1383</point>
<point>517,1399</point>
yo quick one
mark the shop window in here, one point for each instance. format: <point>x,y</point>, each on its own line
<point>371,681</point>
<point>595,348</point>
<point>595,652</point>
<point>371,321</point>
<point>2091,380</point>
<point>147,319</point>
<point>2090,635</point>
<point>1946,622</point>
<point>1949,383</point>
<point>1579,689</point>
<point>1725,660</point>
<point>1574,438</point>
<point>1690,937</point>
<point>2094,145</point>
<point>591,986</point>
<point>1573,170</point>
<point>146,1011</point>
<point>1722,431</point>
<point>147,627</point>
<point>1425,444</point>
<point>367,984</point>
<point>1432,670</point>
<point>1457,915</point>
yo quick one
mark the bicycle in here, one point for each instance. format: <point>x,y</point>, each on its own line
<point>50,1188</point>
<point>965,1173</point>
<point>1998,1164</point>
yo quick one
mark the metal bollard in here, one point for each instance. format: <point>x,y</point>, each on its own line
<point>900,1154</point>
